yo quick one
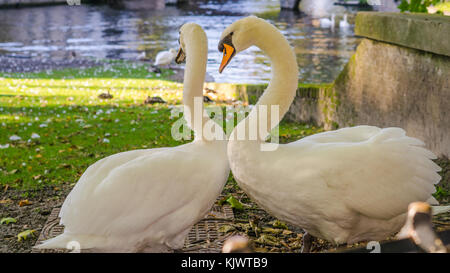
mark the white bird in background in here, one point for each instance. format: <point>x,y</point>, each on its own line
<point>148,200</point>
<point>165,57</point>
<point>327,23</point>
<point>345,186</point>
<point>141,56</point>
<point>343,23</point>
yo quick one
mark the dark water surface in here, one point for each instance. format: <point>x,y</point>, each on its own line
<point>103,32</point>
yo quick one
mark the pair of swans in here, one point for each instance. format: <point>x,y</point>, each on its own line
<point>327,23</point>
<point>344,186</point>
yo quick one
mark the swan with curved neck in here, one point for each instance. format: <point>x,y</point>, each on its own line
<point>148,200</point>
<point>344,186</point>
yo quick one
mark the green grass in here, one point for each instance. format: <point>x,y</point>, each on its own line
<point>76,128</point>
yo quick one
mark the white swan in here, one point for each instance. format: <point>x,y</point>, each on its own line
<point>165,57</point>
<point>327,23</point>
<point>344,186</point>
<point>148,200</point>
<point>142,56</point>
<point>343,23</point>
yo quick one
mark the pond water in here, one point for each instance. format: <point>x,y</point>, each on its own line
<point>101,31</point>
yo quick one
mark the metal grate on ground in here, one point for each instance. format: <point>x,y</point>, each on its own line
<point>204,236</point>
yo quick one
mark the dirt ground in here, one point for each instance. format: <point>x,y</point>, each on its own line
<point>31,209</point>
<point>36,206</point>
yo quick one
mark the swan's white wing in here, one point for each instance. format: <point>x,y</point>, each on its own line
<point>95,174</point>
<point>376,172</point>
<point>174,185</point>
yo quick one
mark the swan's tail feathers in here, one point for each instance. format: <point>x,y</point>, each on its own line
<point>60,241</point>
<point>440,209</point>
<point>387,134</point>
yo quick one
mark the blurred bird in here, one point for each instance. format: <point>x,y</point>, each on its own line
<point>343,23</point>
<point>207,99</point>
<point>237,244</point>
<point>419,228</point>
<point>72,55</point>
<point>142,56</point>
<point>165,57</point>
<point>105,95</point>
<point>327,23</point>
<point>152,100</point>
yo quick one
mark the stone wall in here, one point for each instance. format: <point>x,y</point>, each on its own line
<point>388,85</point>
<point>399,76</point>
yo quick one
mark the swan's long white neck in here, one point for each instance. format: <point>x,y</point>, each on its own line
<point>196,49</point>
<point>284,82</point>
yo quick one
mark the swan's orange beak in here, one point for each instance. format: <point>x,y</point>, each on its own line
<point>228,54</point>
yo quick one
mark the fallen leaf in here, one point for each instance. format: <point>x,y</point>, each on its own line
<point>226,228</point>
<point>272,230</point>
<point>24,234</point>
<point>7,220</point>
<point>279,224</point>
<point>268,240</point>
<point>4,201</point>
<point>260,249</point>
<point>287,232</point>
<point>244,227</point>
<point>15,138</point>
<point>24,203</point>
<point>234,203</point>
<point>285,244</point>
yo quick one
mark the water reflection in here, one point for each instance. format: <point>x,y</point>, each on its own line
<point>104,32</point>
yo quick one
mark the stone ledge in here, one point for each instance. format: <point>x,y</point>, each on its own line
<point>250,93</point>
<point>427,32</point>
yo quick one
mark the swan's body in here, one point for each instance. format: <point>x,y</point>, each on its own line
<point>165,57</point>
<point>343,23</point>
<point>141,56</point>
<point>344,186</point>
<point>148,200</point>
<point>327,23</point>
